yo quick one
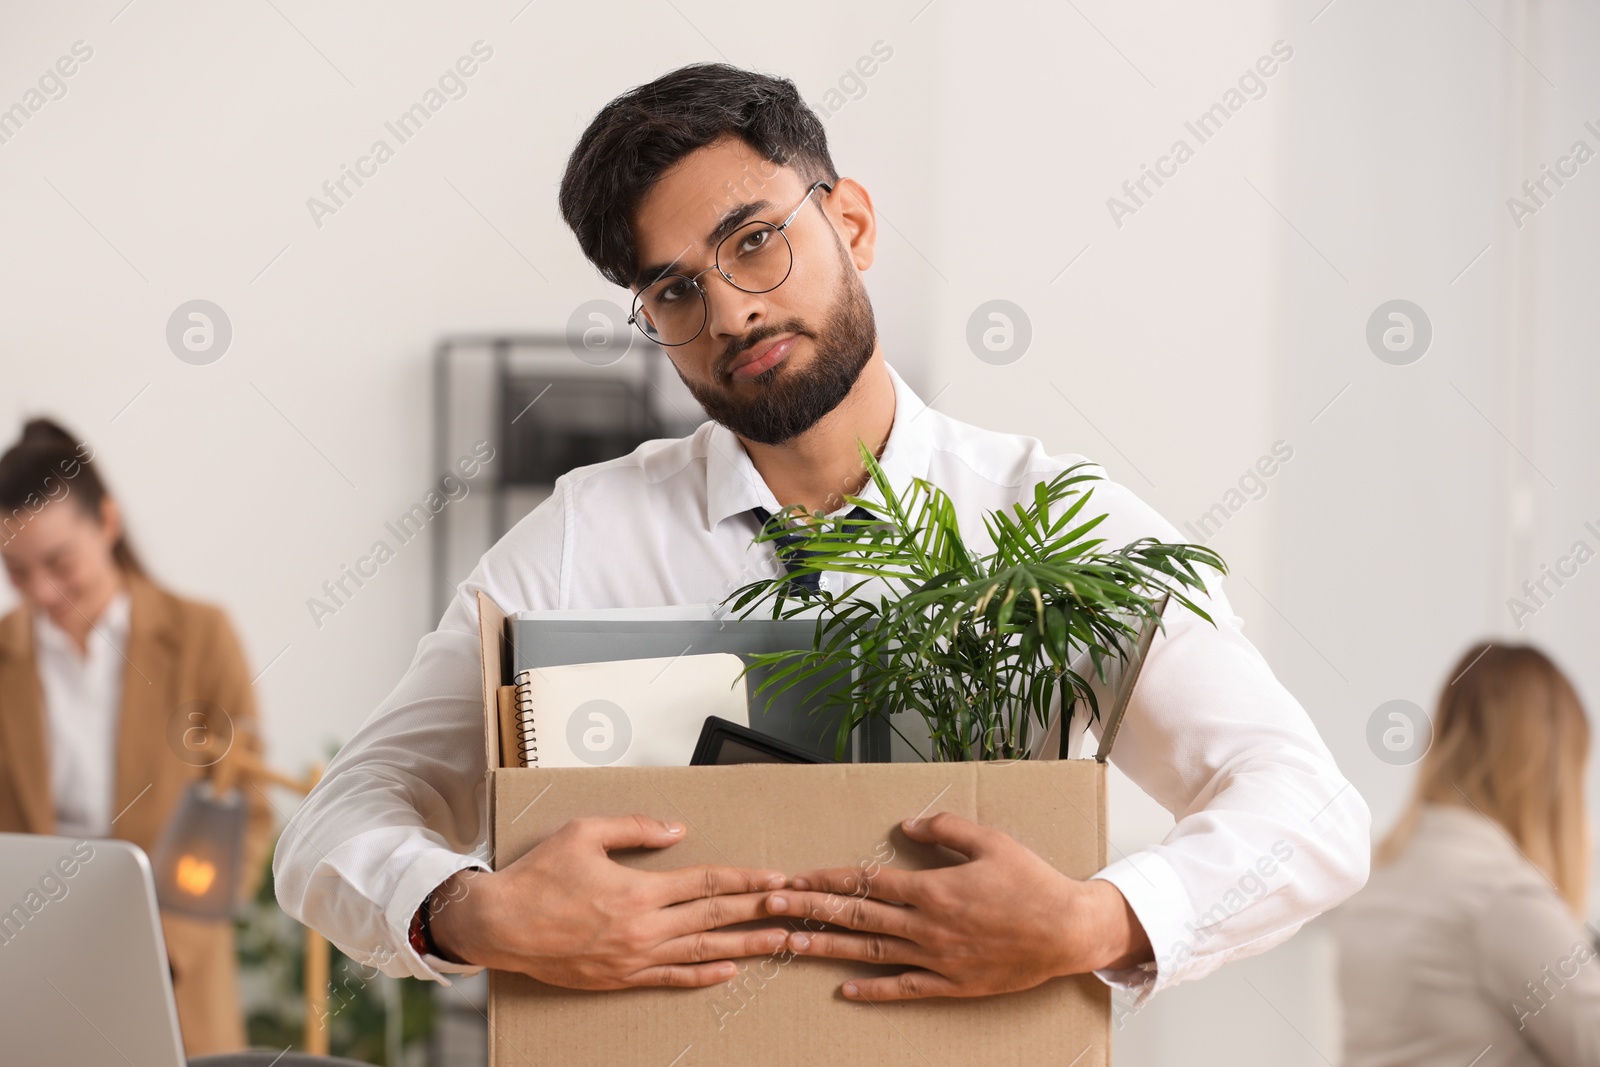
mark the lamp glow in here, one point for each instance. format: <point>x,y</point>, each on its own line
<point>195,876</point>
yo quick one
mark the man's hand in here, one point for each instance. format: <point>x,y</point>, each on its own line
<point>569,915</point>
<point>1004,921</point>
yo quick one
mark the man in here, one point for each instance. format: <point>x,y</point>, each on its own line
<point>711,195</point>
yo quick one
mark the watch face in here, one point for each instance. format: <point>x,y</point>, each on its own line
<point>418,940</point>
<point>421,935</point>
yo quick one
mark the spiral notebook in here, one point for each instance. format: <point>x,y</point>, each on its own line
<point>625,713</point>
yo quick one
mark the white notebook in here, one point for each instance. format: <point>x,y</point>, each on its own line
<point>625,713</point>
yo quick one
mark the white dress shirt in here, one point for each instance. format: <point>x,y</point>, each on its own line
<point>1461,951</point>
<point>1210,732</point>
<point>83,702</point>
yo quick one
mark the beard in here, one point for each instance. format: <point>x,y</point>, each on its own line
<point>789,401</point>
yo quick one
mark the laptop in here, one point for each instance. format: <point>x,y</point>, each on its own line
<point>83,965</point>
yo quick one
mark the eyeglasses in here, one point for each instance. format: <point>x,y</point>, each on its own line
<point>755,258</point>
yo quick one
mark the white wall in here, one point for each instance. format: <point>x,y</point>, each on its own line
<point>1177,348</point>
<point>1423,496</point>
<point>1559,430</point>
<point>178,166</point>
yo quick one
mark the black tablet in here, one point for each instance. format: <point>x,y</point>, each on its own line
<point>722,741</point>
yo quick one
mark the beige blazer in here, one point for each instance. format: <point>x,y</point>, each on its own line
<point>1461,952</point>
<point>178,651</point>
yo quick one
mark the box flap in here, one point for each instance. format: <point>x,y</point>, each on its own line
<point>1127,677</point>
<point>492,641</point>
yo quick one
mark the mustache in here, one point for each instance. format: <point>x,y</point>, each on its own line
<point>755,337</point>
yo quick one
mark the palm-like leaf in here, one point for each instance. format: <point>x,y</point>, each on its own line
<point>977,646</point>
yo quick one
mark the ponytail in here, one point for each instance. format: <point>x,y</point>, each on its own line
<point>47,463</point>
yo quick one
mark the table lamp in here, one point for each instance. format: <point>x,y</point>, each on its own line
<point>198,860</point>
<point>199,857</point>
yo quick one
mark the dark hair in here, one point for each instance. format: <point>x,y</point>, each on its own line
<point>639,136</point>
<point>46,464</point>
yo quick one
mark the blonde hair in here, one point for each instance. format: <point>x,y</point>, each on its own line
<point>1511,740</point>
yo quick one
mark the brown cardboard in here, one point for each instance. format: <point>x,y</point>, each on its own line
<point>781,1009</point>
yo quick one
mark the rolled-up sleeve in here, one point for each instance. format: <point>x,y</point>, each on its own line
<point>402,806</point>
<point>1268,832</point>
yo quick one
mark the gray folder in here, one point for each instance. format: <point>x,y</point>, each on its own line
<point>791,717</point>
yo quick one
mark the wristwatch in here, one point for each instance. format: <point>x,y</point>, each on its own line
<point>420,934</point>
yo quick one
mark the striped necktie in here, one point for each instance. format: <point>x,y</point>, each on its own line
<point>810,583</point>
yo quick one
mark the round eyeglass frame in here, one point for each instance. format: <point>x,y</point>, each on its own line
<point>636,319</point>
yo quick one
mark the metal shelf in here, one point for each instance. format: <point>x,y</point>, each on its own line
<point>547,404</point>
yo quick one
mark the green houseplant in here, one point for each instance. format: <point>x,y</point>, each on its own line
<point>362,1023</point>
<point>977,645</point>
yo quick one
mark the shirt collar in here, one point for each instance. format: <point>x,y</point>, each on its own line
<point>112,625</point>
<point>733,485</point>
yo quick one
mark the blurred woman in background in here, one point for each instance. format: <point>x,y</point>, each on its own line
<point>1469,943</point>
<point>94,665</point>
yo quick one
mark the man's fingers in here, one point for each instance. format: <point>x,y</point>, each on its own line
<point>866,948</point>
<point>685,976</point>
<point>626,831</point>
<point>721,945</point>
<point>886,883</point>
<point>953,832</point>
<point>707,958</point>
<point>710,880</point>
<point>709,913</point>
<point>910,985</point>
<point>853,912</point>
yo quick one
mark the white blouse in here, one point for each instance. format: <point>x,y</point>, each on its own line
<point>83,701</point>
<point>1461,952</point>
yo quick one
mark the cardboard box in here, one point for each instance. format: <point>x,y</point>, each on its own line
<point>781,1009</point>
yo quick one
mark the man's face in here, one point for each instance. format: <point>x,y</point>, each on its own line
<point>767,365</point>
